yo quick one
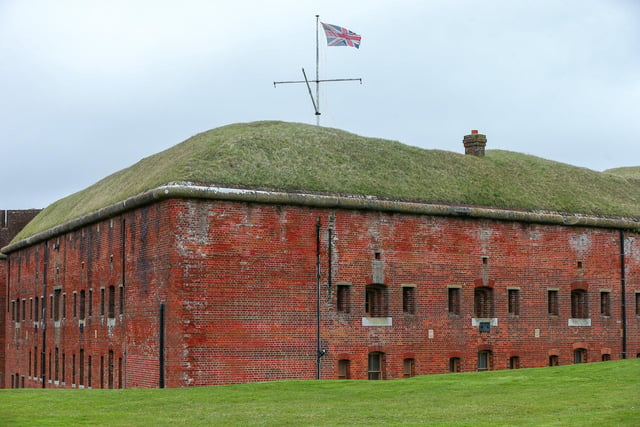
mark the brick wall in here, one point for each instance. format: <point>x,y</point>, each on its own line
<point>238,283</point>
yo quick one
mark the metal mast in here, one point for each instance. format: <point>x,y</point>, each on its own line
<point>316,101</point>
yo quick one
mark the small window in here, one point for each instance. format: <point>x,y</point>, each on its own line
<point>75,305</point>
<point>24,309</point>
<point>514,302</point>
<point>514,362</point>
<point>637,303</point>
<point>343,302</point>
<point>82,304</point>
<point>90,302</point>
<point>408,299</point>
<point>552,303</point>
<point>605,303</point>
<point>112,302</point>
<point>484,361</point>
<point>56,365</point>
<point>81,368</point>
<point>554,360</point>
<point>121,300</point>
<point>101,301</point>
<point>454,364</point>
<point>57,293</point>
<point>374,371</point>
<point>579,304</point>
<point>64,306</point>
<point>454,300</point>
<point>606,357</point>
<point>376,304</point>
<point>36,310</point>
<point>409,367</point>
<point>580,355</point>
<point>483,302</point>
<point>344,369</point>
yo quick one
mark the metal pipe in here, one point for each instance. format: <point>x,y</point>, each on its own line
<point>624,298</point>
<point>318,349</point>
<point>161,349</point>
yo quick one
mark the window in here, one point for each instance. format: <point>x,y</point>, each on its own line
<point>73,369</point>
<point>24,309</point>
<point>121,300</point>
<point>579,304</point>
<point>484,361</point>
<point>580,355</point>
<point>343,302</point>
<point>374,370</point>
<point>50,306</point>
<point>606,357</point>
<point>75,304</point>
<point>344,369</point>
<point>82,304</point>
<point>514,362</point>
<point>552,302</point>
<point>483,302</point>
<point>90,302</point>
<point>376,304</point>
<point>454,364</point>
<point>101,301</point>
<point>64,306</point>
<point>605,303</point>
<point>56,365</point>
<point>13,311</point>
<point>89,371</point>
<point>409,367</point>
<point>36,310</point>
<point>408,299</point>
<point>454,300</point>
<point>112,302</point>
<point>56,304</point>
<point>63,367</point>
<point>553,360</point>
<point>81,368</point>
<point>637,303</point>
<point>514,302</point>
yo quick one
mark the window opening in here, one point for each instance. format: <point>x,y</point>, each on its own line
<point>579,304</point>
<point>375,366</point>
<point>454,300</point>
<point>605,303</point>
<point>483,302</point>
<point>514,302</point>
<point>484,360</point>
<point>514,362</point>
<point>454,364</point>
<point>376,300</point>
<point>552,302</point>
<point>82,304</point>
<point>56,304</point>
<point>606,357</point>
<point>408,300</point>
<point>343,369</point>
<point>580,355</point>
<point>342,298</point>
<point>409,367</point>
<point>554,360</point>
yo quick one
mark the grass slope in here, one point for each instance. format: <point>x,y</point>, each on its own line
<point>595,394</point>
<point>293,156</point>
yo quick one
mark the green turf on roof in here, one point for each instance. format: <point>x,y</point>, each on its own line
<point>291,156</point>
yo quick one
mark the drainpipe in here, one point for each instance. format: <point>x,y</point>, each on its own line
<point>319,352</point>
<point>624,298</point>
<point>161,345</point>
<point>43,318</point>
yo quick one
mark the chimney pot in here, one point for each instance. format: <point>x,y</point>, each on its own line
<point>474,132</point>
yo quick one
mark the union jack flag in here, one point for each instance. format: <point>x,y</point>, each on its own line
<point>338,36</point>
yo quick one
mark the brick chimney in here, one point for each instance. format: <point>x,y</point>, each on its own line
<point>474,144</point>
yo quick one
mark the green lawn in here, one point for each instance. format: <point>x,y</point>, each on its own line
<point>606,394</point>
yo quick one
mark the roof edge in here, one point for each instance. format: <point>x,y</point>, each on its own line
<point>186,190</point>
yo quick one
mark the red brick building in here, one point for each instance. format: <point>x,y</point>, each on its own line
<point>188,285</point>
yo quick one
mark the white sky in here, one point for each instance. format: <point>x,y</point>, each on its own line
<point>89,87</point>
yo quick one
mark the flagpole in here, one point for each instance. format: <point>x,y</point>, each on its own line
<point>317,73</point>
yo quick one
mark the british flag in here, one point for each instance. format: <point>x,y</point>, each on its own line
<point>339,36</point>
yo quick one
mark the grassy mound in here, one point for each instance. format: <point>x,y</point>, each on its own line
<point>290,156</point>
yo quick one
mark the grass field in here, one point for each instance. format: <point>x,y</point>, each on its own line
<point>594,394</point>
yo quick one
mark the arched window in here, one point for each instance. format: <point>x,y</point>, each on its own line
<point>606,357</point>
<point>344,369</point>
<point>483,302</point>
<point>375,367</point>
<point>579,304</point>
<point>554,360</point>
<point>484,360</point>
<point>580,355</point>
<point>454,364</point>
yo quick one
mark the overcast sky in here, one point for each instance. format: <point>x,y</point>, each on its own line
<point>89,87</point>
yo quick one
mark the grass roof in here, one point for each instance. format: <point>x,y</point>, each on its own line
<point>292,156</point>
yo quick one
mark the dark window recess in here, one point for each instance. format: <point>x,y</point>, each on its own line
<point>485,327</point>
<point>112,303</point>
<point>454,300</point>
<point>552,303</point>
<point>36,309</point>
<point>606,357</point>
<point>638,304</point>
<point>579,304</point>
<point>514,302</point>
<point>376,301</point>
<point>580,355</point>
<point>121,300</point>
<point>554,360</point>
<point>605,303</point>
<point>374,370</point>
<point>454,364</point>
<point>101,301</point>
<point>408,300</point>
<point>82,304</point>
<point>409,367</point>
<point>484,361</point>
<point>344,369</point>
<point>343,302</point>
<point>483,302</point>
<point>514,362</point>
